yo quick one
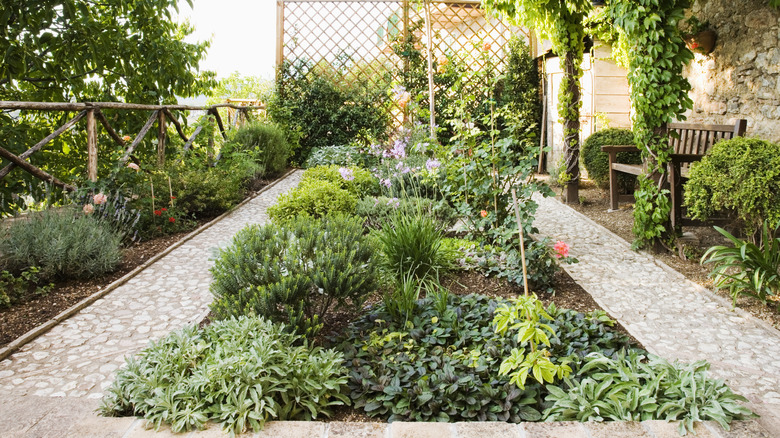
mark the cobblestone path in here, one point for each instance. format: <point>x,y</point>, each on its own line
<point>77,358</point>
<point>672,316</point>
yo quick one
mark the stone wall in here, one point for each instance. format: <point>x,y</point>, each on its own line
<point>741,77</point>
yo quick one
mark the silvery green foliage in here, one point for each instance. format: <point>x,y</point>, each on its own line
<point>239,373</point>
<point>635,387</point>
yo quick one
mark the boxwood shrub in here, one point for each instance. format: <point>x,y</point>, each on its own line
<point>313,198</point>
<point>741,175</point>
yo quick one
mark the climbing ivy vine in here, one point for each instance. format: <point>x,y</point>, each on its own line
<point>656,56</point>
<point>560,22</point>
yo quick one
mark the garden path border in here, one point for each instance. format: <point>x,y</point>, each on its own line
<point>19,342</point>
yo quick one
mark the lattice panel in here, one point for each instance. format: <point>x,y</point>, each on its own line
<point>353,40</point>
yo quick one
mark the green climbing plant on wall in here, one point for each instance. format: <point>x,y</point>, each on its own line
<point>562,24</point>
<point>656,53</point>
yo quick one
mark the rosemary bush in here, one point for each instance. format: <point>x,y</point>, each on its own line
<point>63,243</point>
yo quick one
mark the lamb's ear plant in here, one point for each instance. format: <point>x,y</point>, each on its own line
<point>632,386</point>
<point>746,268</point>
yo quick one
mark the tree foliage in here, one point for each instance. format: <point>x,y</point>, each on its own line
<point>58,50</point>
<point>656,56</point>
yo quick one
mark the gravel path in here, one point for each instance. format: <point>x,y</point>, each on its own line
<point>77,358</point>
<point>673,317</point>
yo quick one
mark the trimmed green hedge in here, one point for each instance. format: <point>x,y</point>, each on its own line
<point>741,175</point>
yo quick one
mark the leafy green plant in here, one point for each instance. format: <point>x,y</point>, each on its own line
<point>63,243</point>
<point>326,112</point>
<point>267,141</point>
<point>441,364</point>
<point>380,210</point>
<point>295,272</point>
<point>19,288</point>
<point>626,388</point>
<point>353,179</point>
<point>313,198</point>
<point>524,315</point>
<point>596,161</point>
<point>239,373</point>
<point>746,268</point>
<point>741,175</point>
<point>656,54</point>
<point>411,245</point>
<point>111,208</point>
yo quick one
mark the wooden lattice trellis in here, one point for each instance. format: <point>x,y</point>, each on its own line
<point>353,39</point>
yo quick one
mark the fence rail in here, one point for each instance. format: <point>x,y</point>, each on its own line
<point>91,111</point>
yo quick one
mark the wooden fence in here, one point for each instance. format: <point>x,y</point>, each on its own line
<point>91,112</point>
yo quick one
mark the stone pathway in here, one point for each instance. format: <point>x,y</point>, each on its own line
<point>77,358</point>
<point>672,316</point>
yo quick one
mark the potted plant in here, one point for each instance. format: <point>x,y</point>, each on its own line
<point>698,36</point>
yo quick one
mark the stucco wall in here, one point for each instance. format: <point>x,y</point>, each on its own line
<point>741,77</point>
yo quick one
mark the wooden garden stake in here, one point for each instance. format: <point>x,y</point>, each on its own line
<point>431,93</point>
<point>522,242</point>
<point>91,146</point>
<point>161,132</point>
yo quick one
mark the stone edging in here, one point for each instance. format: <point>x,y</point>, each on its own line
<point>19,342</point>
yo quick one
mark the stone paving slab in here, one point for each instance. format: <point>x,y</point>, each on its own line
<point>78,357</point>
<point>670,315</point>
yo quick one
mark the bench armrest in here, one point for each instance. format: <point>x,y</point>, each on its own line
<point>619,148</point>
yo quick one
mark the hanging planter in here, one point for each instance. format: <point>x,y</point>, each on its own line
<point>702,42</point>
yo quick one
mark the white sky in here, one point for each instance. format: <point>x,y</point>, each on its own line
<point>242,33</point>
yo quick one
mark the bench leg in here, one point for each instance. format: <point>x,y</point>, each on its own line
<point>613,183</point>
<point>675,189</point>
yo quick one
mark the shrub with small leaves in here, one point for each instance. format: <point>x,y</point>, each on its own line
<point>741,175</point>
<point>266,141</point>
<point>239,373</point>
<point>313,198</point>
<point>63,243</point>
<point>346,155</point>
<point>353,179</point>
<point>295,272</point>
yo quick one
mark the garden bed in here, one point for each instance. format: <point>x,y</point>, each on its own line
<point>21,318</point>
<point>595,205</point>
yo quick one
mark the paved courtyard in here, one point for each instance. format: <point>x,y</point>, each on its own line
<point>51,386</point>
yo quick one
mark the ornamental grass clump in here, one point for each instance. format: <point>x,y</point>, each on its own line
<point>295,272</point>
<point>63,244</point>
<point>239,373</point>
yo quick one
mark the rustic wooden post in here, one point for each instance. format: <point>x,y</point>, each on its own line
<point>161,131</point>
<point>91,145</point>
<point>279,33</point>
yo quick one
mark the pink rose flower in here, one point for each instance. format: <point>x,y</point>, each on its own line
<point>133,166</point>
<point>88,209</point>
<point>99,199</point>
<point>561,249</point>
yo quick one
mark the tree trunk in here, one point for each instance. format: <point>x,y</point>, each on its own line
<point>571,130</point>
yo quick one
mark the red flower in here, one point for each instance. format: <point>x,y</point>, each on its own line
<point>163,209</point>
<point>171,220</point>
<point>173,197</point>
<point>483,213</point>
<point>561,249</point>
<point>158,213</point>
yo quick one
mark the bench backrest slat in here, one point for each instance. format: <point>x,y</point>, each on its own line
<point>697,139</point>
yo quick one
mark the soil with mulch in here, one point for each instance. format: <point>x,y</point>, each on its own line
<point>685,259</point>
<point>21,318</point>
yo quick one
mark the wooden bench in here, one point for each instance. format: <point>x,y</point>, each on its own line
<point>689,142</point>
